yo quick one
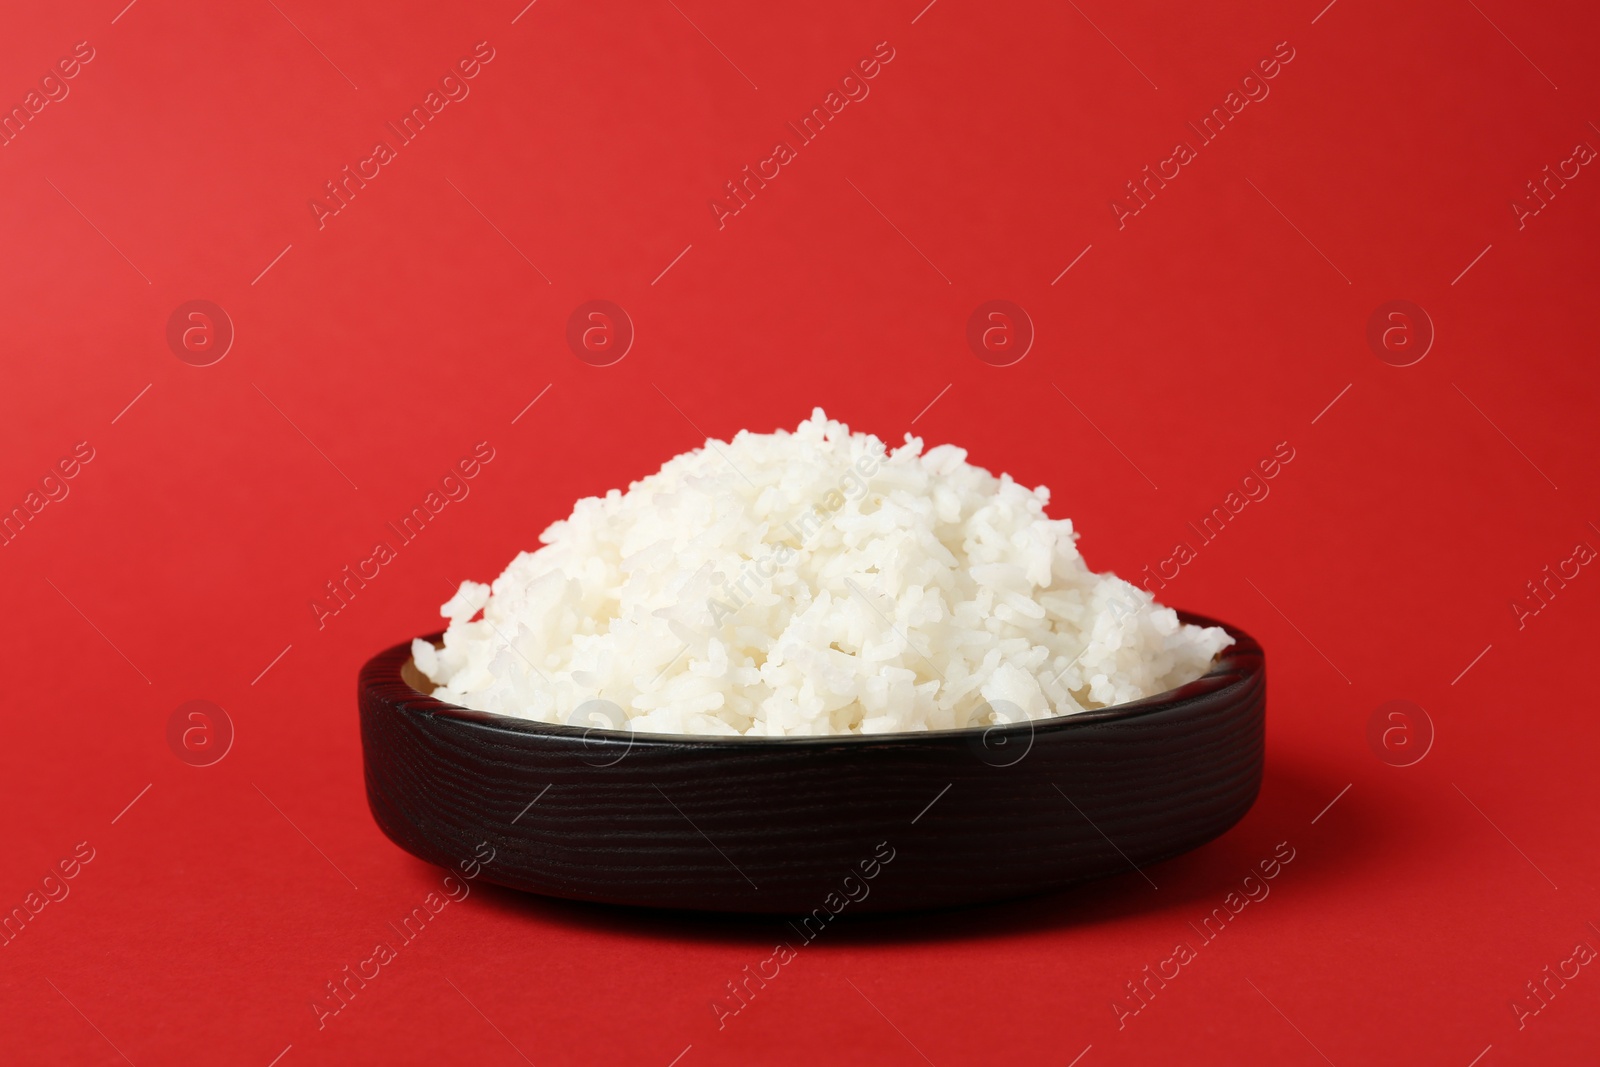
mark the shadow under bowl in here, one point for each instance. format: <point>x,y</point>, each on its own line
<point>885,822</point>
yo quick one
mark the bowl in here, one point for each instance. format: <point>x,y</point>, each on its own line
<point>813,826</point>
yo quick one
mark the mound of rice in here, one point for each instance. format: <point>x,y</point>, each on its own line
<point>813,583</point>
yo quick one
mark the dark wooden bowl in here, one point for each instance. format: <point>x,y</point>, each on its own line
<point>814,825</point>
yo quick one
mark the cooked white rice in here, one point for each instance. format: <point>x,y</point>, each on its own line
<point>790,585</point>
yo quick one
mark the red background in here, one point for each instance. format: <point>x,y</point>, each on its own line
<point>1221,320</point>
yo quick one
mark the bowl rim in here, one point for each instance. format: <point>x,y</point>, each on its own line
<point>1240,664</point>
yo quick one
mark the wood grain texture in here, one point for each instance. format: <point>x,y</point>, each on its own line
<point>776,825</point>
